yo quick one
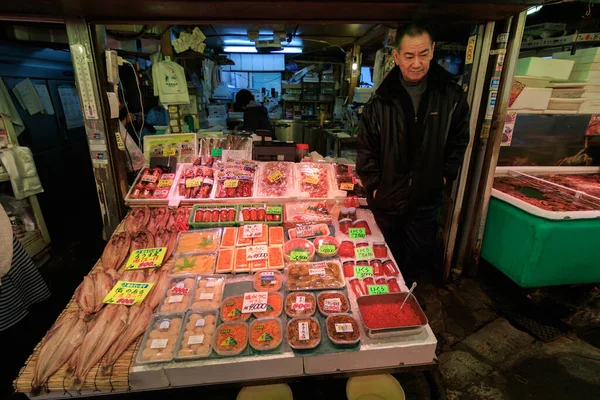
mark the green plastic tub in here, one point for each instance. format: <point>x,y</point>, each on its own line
<point>536,251</point>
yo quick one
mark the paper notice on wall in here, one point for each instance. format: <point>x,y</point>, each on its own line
<point>71,106</point>
<point>42,91</point>
<point>28,97</point>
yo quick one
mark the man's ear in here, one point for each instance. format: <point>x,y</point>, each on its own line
<point>396,55</point>
<point>432,48</point>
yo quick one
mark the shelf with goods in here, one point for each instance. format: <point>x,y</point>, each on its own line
<point>250,255</point>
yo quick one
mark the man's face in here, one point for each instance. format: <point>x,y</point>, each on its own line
<point>413,56</point>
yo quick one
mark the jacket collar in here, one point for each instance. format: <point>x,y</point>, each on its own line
<point>391,87</point>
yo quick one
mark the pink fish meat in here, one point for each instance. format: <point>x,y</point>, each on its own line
<point>116,250</point>
<point>142,239</point>
<point>133,276</point>
<point>166,238</point>
<point>137,219</point>
<point>93,290</point>
<point>158,219</point>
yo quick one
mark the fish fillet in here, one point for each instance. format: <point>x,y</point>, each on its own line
<point>137,219</point>
<point>161,281</point>
<point>138,320</point>
<point>60,343</point>
<point>158,219</point>
<point>142,239</point>
<point>103,282</point>
<point>85,295</point>
<point>133,276</point>
<point>107,328</point>
<point>165,238</point>
<point>116,250</point>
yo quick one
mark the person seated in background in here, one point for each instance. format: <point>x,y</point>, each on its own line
<point>256,116</point>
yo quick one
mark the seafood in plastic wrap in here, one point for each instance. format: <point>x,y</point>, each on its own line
<point>312,180</point>
<point>179,219</point>
<point>116,250</point>
<point>308,212</point>
<point>148,184</point>
<point>137,219</point>
<point>275,179</point>
<point>142,239</point>
<point>63,339</point>
<point>347,179</point>
<point>166,238</point>
<point>236,180</point>
<point>196,182</point>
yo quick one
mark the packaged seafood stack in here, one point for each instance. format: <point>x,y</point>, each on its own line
<point>178,295</point>
<point>237,147</point>
<point>348,181</point>
<point>314,181</point>
<point>194,263</point>
<point>194,183</point>
<point>197,336</point>
<point>266,334</point>
<point>308,212</point>
<point>303,333</point>
<point>315,276</point>
<point>231,309</point>
<point>275,180</point>
<point>151,186</point>
<point>211,149</point>
<point>204,240</point>
<point>231,338</point>
<point>209,293</point>
<point>235,181</point>
<point>211,215</point>
<point>342,330</point>
<point>271,214</point>
<point>160,339</point>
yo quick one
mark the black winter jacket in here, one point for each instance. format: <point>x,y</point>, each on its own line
<point>406,157</point>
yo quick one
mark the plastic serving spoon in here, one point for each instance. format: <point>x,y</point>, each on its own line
<point>414,285</point>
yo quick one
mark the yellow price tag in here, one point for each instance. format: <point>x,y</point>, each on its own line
<point>231,183</point>
<point>192,183</point>
<point>128,293</point>
<point>347,186</point>
<point>169,152</point>
<point>146,258</point>
<point>120,144</point>
<point>312,180</point>
<point>165,183</point>
<point>275,176</point>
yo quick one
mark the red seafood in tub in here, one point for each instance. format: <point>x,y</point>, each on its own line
<point>207,216</point>
<point>246,214</point>
<point>361,223</point>
<point>326,246</point>
<point>231,215</point>
<point>380,250</point>
<point>261,214</point>
<point>368,281</point>
<point>389,268</point>
<point>346,249</point>
<point>377,267</point>
<point>381,281</point>
<point>345,225</point>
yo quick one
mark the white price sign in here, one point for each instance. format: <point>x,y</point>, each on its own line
<point>303,331</point>
<point>305,231</point>
<point>341,328</point>
<point>252,231</point>
<point>197,339</point>
<point>254,302</point>
<point>332,305</point>
<point>206,296</point>
<point>317,269</point>
<point>158,343</point>
<point>254,253</point>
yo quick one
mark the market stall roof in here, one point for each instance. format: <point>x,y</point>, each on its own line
<point>340,11</point>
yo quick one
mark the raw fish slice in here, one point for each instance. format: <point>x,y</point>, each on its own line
<point>142,240</point>
<point>133,276</point>
<point>85,295</point>
<point>137,219</point>
<point>139,317</point>
<point>166,238</point>
<point>116,250</point>
<point>63,339</point>
<point>161,281</point>
<point>158,219</point>
<point>108,327</point>
<point>103,282</point>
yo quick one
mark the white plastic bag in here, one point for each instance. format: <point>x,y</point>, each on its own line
<point>170,81</point>
<point>24,179</point>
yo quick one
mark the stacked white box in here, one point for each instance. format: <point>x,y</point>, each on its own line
<point>586,69</point>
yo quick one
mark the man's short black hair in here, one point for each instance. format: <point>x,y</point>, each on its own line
<point>242,98</point>
<point>413,29</point>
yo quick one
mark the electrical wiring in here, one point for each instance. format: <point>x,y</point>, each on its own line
<point>138,135</point>
<point>137,82</point>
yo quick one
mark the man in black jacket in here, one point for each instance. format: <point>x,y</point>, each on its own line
<point>412,139</point>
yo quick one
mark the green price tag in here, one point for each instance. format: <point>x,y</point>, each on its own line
<point>362,253</point>
<point>299,256</point>
<point>273,209</point>
<point>216,152</point>
<point>327,249</point>
<point>360,271</point>
<point>357,233</point>
<point>378,289</point>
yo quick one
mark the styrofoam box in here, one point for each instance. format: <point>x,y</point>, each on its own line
<point>564,104</point>
<point>582,67</point>
<point>533,81</point>
<point>586,76</point>
<point>532,99</point>
<point>581,56</point>
<point>567,93</point>
<point>537,66</point>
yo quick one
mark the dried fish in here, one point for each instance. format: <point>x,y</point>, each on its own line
<point>158,219</point>
<point>142,239</point>
<point>137,219</point>
<point>116,250</point>
<point>166,238</point>
<point>161,281</point>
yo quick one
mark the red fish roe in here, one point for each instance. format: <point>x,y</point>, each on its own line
<point>389,315</point>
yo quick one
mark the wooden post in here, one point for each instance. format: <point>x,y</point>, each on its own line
<point>165,45</point>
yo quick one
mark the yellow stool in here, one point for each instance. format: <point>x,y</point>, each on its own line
<point>266,392</point>
<point>374,387</point>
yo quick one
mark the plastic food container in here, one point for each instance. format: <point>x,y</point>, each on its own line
<point>231,309</point>
<point>309,231</point>
<point>326,246</point>
<point>198,241</point>
<point>211,215</point>
<point>275,179</point>
<point>361,223</point>
<point>276,237</point>
<point>276,257</point>
<point>229,236</point>
<point>303,333</point>
<point>274,306</point>
<point>266,333</point>
<point>313,180</point>
<point>342,329</point>
<point>345,225</point>
<point>225,261</point>
<point>332,302</point>
<point>300,304</point>
<point>252,213</point>
<point>194,263</point>
<point>208,294</point>
<point>160,339</point>
<point>178,295</point>
<point>315,276</point>
<point>231,338</point>
<point>267,281</point>
<point>196,337</point>
<point>380,250</point>
<point>241,261</point>
<point>298,245</point>
<point>346,249</point>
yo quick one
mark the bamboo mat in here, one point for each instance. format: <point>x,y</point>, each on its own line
<point>117,379</point>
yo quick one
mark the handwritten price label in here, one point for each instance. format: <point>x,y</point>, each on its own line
<point>273,209</point>
<point>316,271</point>
<point>192,183</point>
<point>299,256</point>
<point>165,183</point>
<point>216,152</point>
<point>378,289</point>
<point>305,231</point>
<point>254,253</point>
<point>274,176</point>
<point>149,178</point>
<point>303,333</point>
<point>146,258</point>
<point>313,180</point>
<point>341,328</point>
<point>128,293</point>
<point>357,233</point>
<point>252,231</point>
<point>332,305</point>
<point>347,186</point>
<point>169,152</point>
<point>231,183</point>
<point>327,249</point>
<point>360,271</point>
<point>363,253</point>
<point>254,302</point>
<point>301,306</point>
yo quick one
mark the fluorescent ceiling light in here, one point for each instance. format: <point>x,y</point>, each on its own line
<point>248,49</point>
<point>533,9</point>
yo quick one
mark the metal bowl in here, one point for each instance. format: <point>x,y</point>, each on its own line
<point>397,298</point>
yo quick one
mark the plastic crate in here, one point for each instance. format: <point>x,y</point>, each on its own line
<point>199,225</point>
<point>259,205</point>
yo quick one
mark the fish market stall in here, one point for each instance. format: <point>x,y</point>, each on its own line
<point>543,224</point>
<point>258,271</point>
